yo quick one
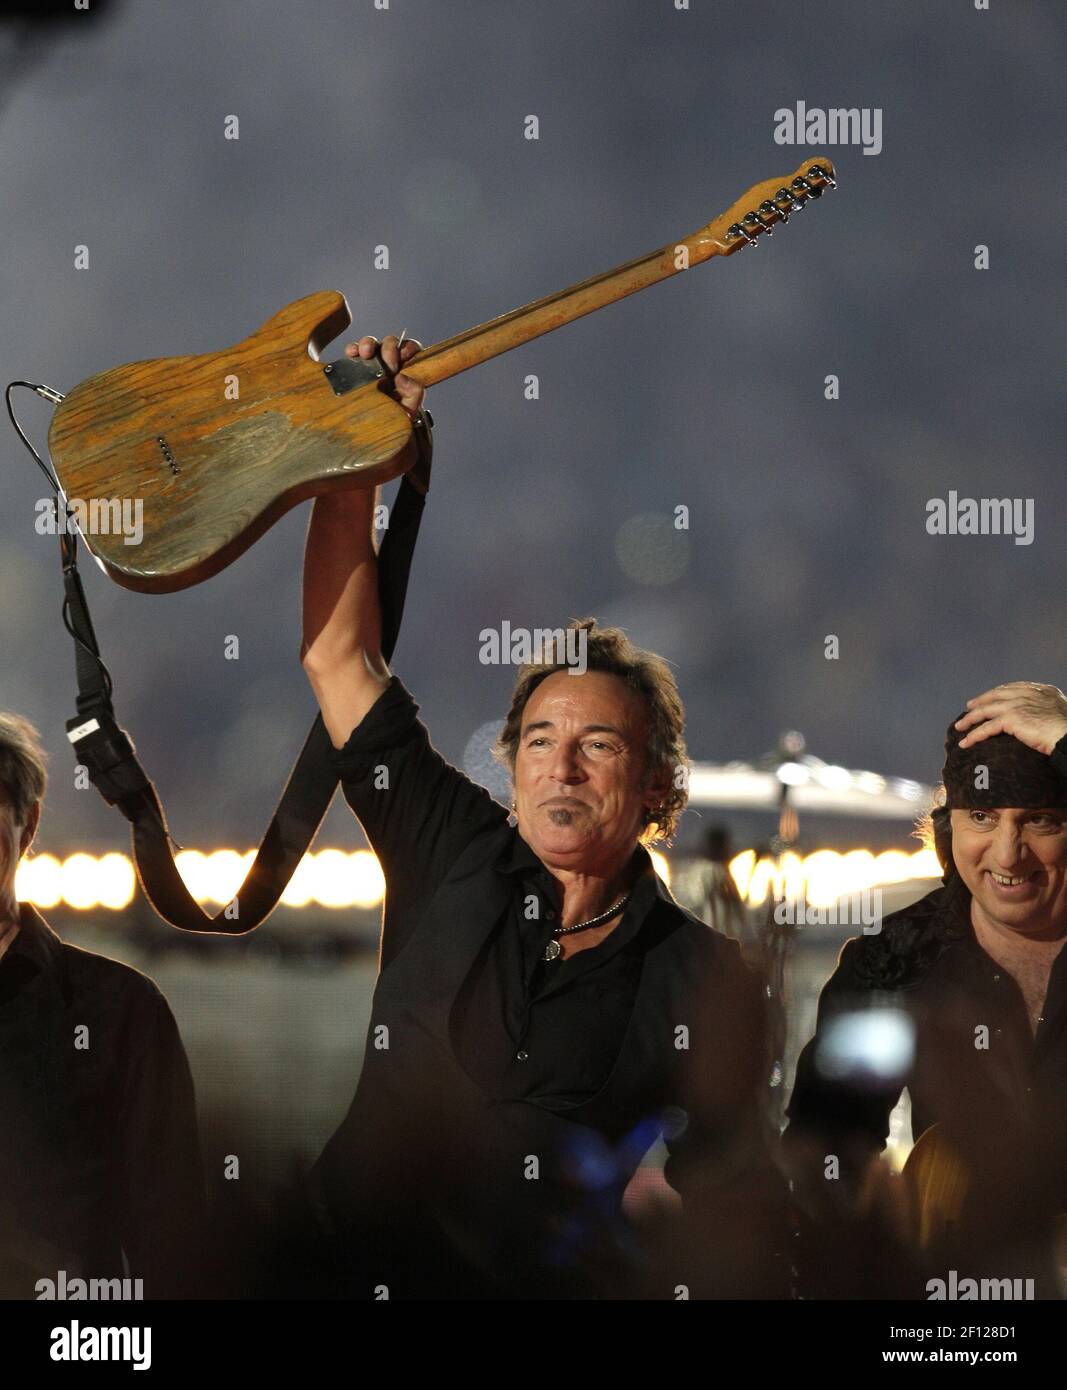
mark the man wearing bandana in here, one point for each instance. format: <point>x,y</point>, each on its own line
<point>961,997</point>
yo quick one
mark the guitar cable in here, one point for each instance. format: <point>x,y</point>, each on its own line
<point>47,393</point>
<point>68,537</point>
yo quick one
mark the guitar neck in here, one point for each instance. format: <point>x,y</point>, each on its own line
<point>455,355</point>
<point>764,206</point>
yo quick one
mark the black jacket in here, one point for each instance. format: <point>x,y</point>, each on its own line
<point>99,1153</point>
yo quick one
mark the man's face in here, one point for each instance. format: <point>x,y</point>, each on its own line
<point>578,772</point>
<point>1015,864</point>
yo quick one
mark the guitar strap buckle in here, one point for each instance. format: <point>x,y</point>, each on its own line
<point>108,753</point>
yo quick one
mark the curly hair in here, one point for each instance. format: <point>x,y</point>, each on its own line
<point>608,649</point>
<point>934,829</point>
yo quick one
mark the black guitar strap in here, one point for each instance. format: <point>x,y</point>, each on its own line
<point>110,757</point>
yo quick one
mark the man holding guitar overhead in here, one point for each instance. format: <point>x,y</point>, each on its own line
<point>974,979</point>
<point>544,1010</point>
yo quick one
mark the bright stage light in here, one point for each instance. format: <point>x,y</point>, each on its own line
<point>78,881</point>
<point>826,875</point>
<point>39,881</point>
<point>116,881</point>
<point>661,866</point>
<point>368,881</point>
<point>334,879</point>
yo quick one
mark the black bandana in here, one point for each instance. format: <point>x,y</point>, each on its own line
<point>999,771</point>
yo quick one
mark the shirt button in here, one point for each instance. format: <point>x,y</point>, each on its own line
<point>521,1055</point>
<point>996,979</point>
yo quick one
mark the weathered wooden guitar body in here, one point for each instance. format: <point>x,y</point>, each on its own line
<point>217,447</point>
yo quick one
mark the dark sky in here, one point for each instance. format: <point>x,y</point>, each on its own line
<point>405,126</point>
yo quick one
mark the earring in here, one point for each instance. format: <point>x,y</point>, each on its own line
<point>512,817</point>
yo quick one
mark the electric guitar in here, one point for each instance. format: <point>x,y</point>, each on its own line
<point>215,448</point>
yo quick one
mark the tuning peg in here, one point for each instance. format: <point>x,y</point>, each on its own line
<point>806,189</point>
<point>818,172</point>
<point>736,229</point>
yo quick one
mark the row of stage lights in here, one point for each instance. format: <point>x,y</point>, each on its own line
<point>332,878</point>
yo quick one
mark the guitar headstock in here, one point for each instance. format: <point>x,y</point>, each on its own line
<point>770,202</point>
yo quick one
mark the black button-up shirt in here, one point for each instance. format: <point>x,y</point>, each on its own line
<point>99,1153</point>
<point>529,1028</point>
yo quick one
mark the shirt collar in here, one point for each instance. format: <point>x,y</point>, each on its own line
<point>520,858</point>
<point>36,948</point>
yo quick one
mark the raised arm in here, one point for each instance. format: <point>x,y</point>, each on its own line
<point>341,648</point>
<point>417,810</point>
